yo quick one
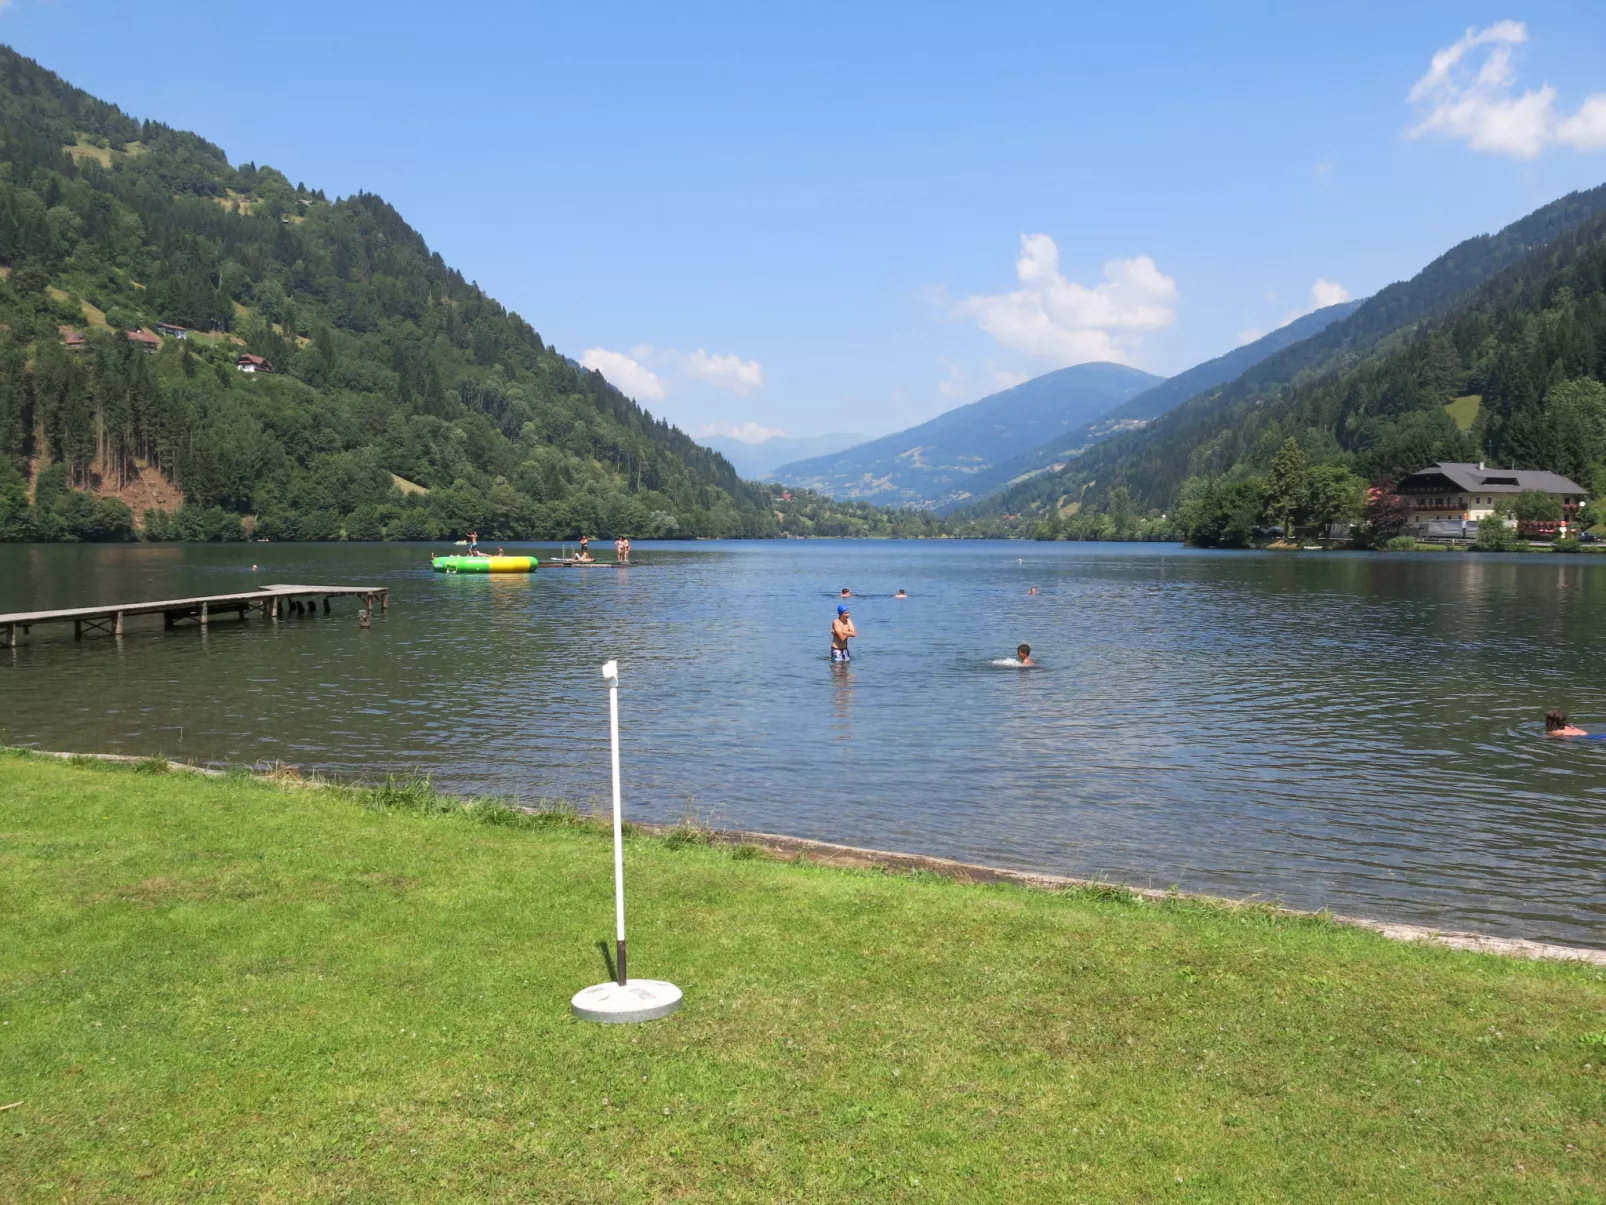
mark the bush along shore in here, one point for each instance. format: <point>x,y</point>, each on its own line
<point>220,986</point>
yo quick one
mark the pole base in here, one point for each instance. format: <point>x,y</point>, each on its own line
<point>638,1000</point>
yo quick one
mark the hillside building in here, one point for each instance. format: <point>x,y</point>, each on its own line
<point>1451,492</point>
<point>172,330</point>
<point>250,362</point>
<point>145,339</point>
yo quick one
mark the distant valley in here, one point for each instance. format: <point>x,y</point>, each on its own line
<point>756,462</point>
<point>934,465</point>
<point>976,450</point>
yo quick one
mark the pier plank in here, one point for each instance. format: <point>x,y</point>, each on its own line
<point>109,616</point>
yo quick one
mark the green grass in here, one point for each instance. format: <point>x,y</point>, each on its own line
<point>1464,410</point>
<point>219,989</point>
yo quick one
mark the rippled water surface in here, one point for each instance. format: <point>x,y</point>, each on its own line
<point>1346,731</point>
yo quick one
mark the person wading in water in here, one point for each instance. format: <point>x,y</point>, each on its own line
<point>842,631</point>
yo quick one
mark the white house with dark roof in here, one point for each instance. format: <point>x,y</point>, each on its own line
<point>1448,491</point>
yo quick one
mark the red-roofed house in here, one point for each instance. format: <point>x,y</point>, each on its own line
<point>145,339</point>
<point>172,330</point>
<point>72,338</point>
<point>252,363</point>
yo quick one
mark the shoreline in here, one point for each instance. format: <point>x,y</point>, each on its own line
<point>827,853</point>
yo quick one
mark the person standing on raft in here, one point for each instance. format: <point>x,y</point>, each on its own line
<point>842,631</point>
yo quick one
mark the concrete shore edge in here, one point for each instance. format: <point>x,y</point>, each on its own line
<point>826,853</point>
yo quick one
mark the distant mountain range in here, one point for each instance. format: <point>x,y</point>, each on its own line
<point>755,462</point>
<point>1493,324</point>
<point>1149,405</point>
<point>933,465</point>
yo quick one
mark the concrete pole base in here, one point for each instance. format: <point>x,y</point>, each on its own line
<point>638,1000</point>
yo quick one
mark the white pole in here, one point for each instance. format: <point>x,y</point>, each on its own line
<point>610,672</point>
<point>626,999</point>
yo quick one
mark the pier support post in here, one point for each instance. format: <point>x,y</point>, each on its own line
<point>11,635</point>
<point>326,604</point>
<point>384,600</point>
<point>204,615</point>
<point>118,629</point>
<point>77,629</point>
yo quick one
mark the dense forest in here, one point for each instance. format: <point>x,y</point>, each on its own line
<point>1493,352</point>
<point>388,397</point>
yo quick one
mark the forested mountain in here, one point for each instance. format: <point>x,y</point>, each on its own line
<point>1371,390</point>
<point>387,397</point>
<point>1151,403</point>
<point>934,464</point>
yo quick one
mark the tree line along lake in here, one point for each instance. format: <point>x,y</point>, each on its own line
<point>1359,732</point>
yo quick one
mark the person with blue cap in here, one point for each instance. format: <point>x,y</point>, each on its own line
<point>842,630</point>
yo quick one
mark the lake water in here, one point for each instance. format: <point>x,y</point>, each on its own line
<point>1333,730</point>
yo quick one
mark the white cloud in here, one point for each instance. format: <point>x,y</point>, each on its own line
<point>728,372</point>
<point>628,375</point>
<point>1323,293</point>
<point>954,385</point>
<point>646,371</point>
<point>1066,323</point>
<point>1327,292</point>
<point>1469,94</point>
<point>747,433</point>
<point>1005,378</point>
<point>1250,335</point>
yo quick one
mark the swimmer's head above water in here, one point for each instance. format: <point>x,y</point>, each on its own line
<point>1023,654</point>
<point>900,594</point>
<point>846,593</point>
<point>1556,725</point>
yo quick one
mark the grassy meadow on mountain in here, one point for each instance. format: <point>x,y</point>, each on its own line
<point>402,402</point>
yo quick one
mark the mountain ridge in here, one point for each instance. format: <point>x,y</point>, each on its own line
<point>1210,432</point>
<point>385,360</point>
<point>1150,404</point>
<point>928,463</point>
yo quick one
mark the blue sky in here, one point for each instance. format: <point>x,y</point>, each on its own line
<point>852,217</point>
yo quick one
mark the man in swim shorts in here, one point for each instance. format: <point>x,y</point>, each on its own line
<point>1556,725</point>
<point>842,630</point>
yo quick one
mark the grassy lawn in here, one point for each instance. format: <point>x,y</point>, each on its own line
<point>229,990</point>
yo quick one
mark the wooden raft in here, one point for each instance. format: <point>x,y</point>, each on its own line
<point>273,602</point>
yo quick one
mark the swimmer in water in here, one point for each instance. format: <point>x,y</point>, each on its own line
<point>1023,654</point>
<point>1556,725</point>
<point>846,593</point>
<point>900,594</point>
<point>842,630</point>
<point>1033,590</point>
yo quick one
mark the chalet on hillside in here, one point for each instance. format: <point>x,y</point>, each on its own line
<point>72,338</point>
<point>1448,491</point>
<point>172,330</point>
<point>145,339</point>
<point>250,362</point>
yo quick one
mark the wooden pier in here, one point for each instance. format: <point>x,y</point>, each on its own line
<point>274,602</point>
